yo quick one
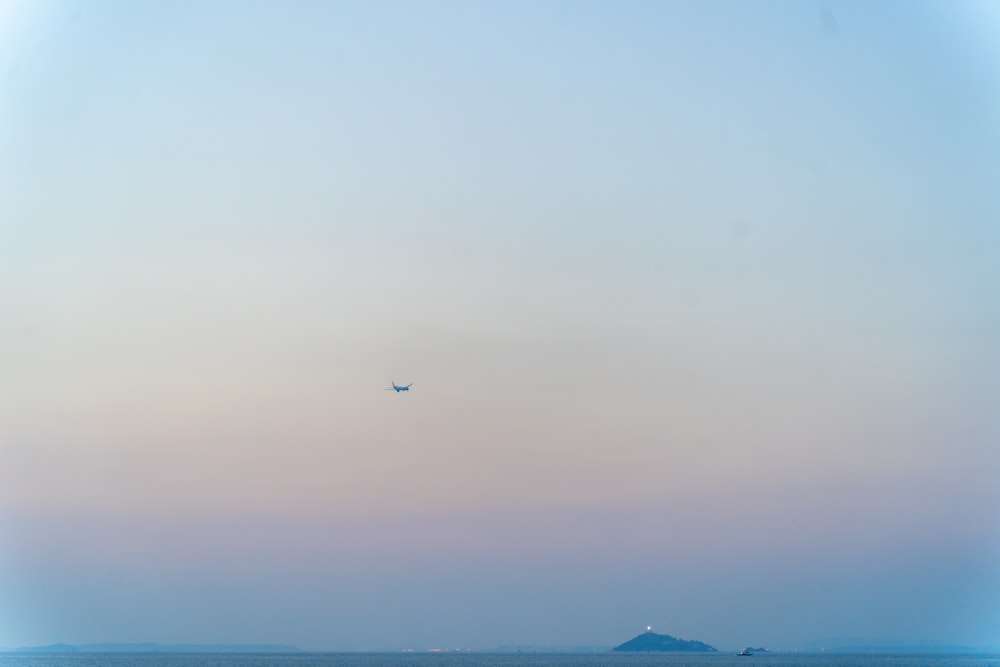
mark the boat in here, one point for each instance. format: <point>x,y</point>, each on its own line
<point>746,651</point>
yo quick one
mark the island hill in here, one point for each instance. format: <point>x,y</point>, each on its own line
<point>650,641</point>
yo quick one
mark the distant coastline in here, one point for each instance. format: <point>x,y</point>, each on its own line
<point>857,648</point>
<point>152,647</point>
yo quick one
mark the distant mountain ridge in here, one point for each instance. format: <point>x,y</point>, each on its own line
<point>152,647</point>
<point>652,642</point>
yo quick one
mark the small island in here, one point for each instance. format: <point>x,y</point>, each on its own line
<point>650,641</point>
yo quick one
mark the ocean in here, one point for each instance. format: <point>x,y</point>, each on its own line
<point>490,660</point>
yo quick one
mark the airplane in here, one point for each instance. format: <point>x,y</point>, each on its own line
<point>398,388</point>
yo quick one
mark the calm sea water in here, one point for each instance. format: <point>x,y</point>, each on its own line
<point>487,660</point>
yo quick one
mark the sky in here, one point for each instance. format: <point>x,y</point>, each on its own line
<point>700,303</point>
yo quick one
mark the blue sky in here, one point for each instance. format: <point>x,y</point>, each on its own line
<point>700,303</point>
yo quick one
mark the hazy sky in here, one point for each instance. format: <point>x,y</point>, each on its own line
<point>700,300</point>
